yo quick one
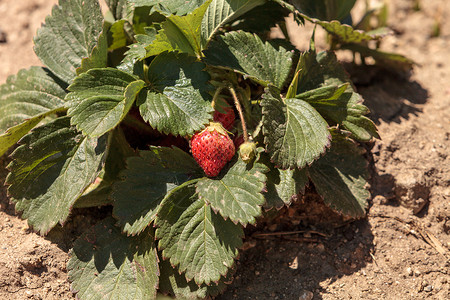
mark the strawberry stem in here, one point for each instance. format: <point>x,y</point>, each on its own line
<point>216,95</point>
<point>240,111</point>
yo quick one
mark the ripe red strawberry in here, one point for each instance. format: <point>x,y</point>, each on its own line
<point>224,114</point>
<point>212,148</point>
<point>238,140</point>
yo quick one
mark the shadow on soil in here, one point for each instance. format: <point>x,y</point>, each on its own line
<point>299,253</point>
<point>390,97</point>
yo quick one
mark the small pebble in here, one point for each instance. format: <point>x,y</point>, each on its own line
<point>24,229</point>
<point>320,247</point>
<point>409,271</point>
<point>380,200</point>
<point>428,288</point>
<point>306,295</point>
<point>294,264</point>
<point>273,227</point>
<point>417,273</point>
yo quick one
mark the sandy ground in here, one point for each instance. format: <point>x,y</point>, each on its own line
<point>394,253</point>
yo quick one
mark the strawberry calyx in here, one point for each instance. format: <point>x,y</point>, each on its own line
<point>215,126</point>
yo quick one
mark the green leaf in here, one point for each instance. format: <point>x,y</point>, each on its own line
<point>119,150</point>
<point>173,283</point>
<point>120,9</point>
<point>246,53</point>
<point>391,61</point>
<point>98,193</point>
<point>50,170</point>
<point>175,7</point>
<point>323,94</point>
<point>145,183</point>
<point>343,107</point>
<point>26,99</point>
<point>14,134</point>
<point>261,18</point>
<point>145,17</point>
<point>100,99</point>
<point>95,195</point>
<point>202,244</point>
<point>222,12</point>
<point>106,264</point>
<point>69,35</point>
<point>28,94</point>
<point>323,70</point>
<point>293,86</point>
<point>132,66</point>
<point>282,186</point>
<point>177,101</point>
<point>295,134</point>
<point>340,177</point>
<point>325,9</point>
<point>180,33</point>
<point>291,8</point>
<point>119,36</point>
<point>237,194</point>
<point>347,34</point>
<point>98,58</point>
<point>137,50</point>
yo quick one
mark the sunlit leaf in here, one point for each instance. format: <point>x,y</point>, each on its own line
<point>50,170</point>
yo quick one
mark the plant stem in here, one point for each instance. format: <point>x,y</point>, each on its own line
<point>216,95</point>
<point>241,113</point>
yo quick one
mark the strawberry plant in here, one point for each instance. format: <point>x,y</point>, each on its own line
<point>361,37</point>
<point>122,115</point>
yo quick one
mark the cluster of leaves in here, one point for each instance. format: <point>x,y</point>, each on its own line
<point>334,16</point>
<point>89,124</point>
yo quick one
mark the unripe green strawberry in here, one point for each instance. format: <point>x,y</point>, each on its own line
<point>212,148</point>
<point>247,151</point>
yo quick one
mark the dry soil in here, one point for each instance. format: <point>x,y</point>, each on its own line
<point>400,251</point>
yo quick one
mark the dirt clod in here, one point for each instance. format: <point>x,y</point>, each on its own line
<point>446,226</point>
<point>428,288</point>
<point>412,191</point>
